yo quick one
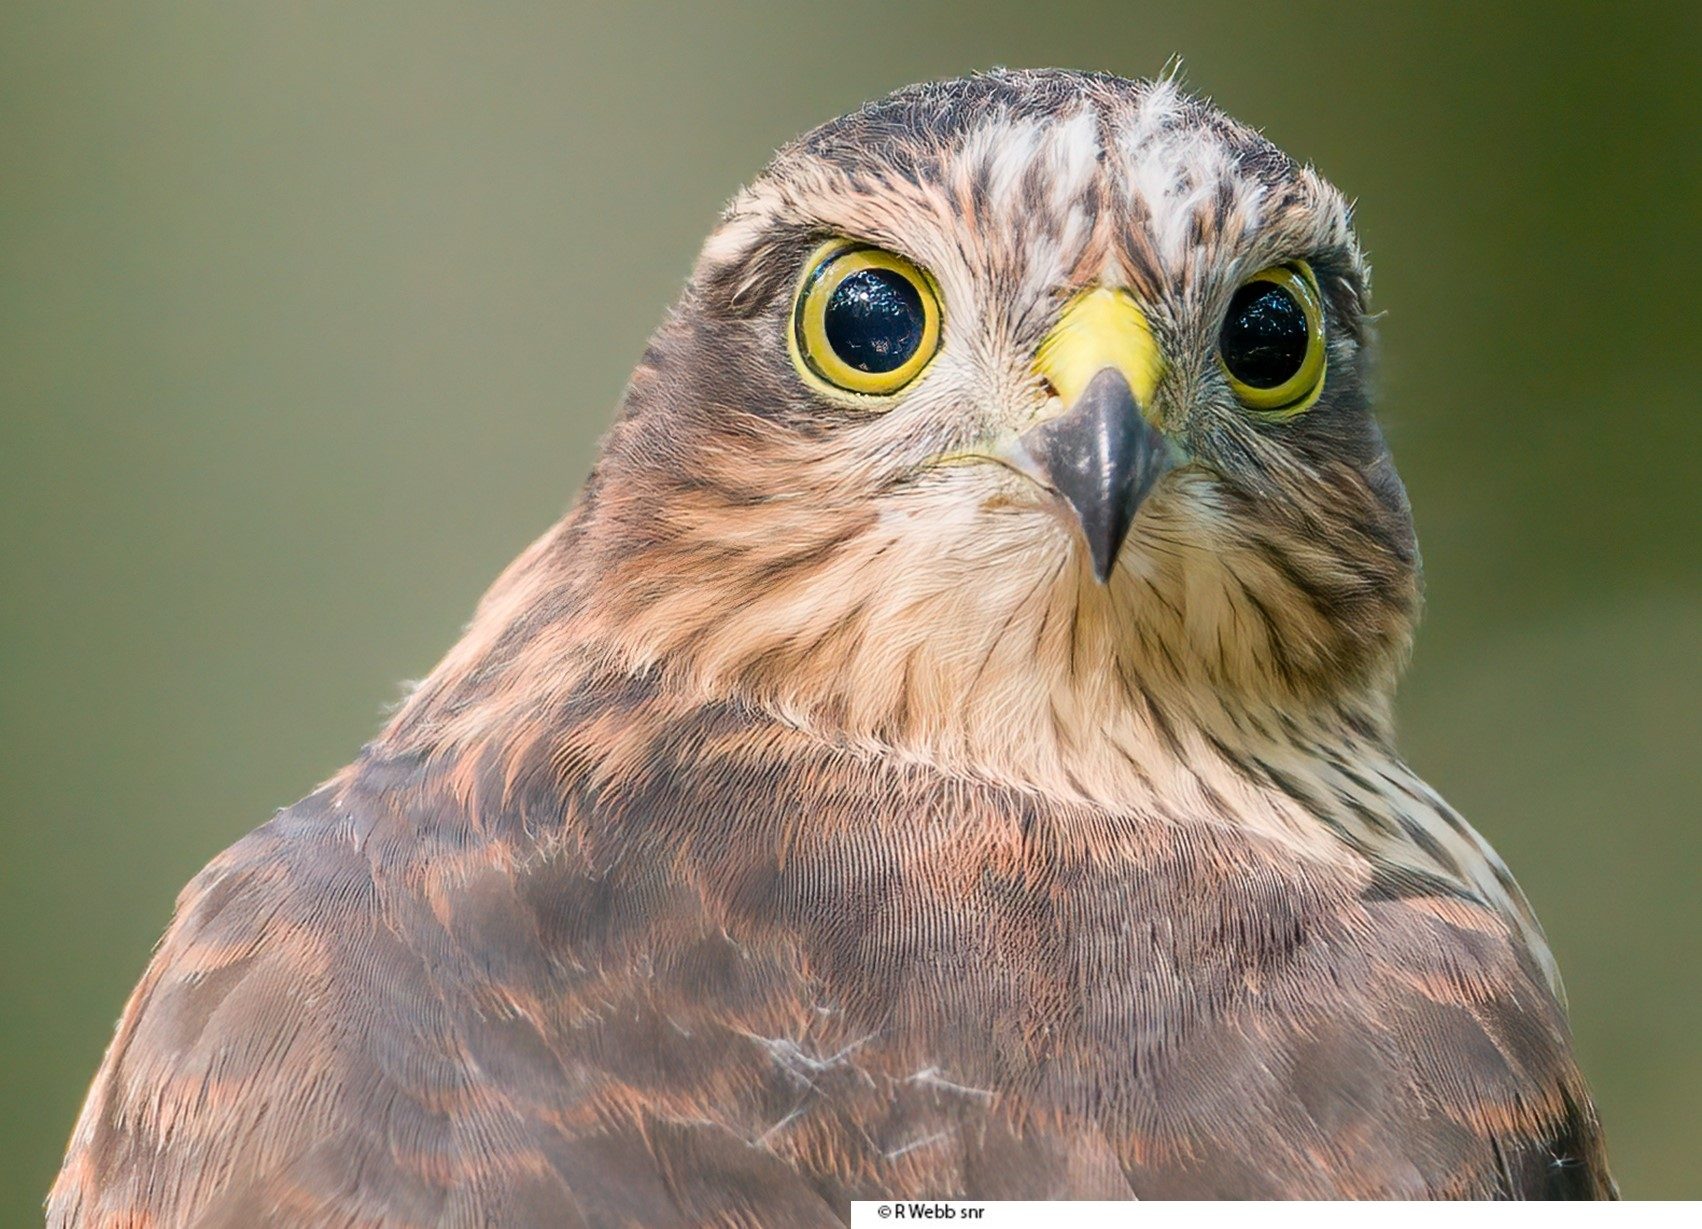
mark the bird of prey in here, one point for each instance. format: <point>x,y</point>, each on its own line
<point>945,751</point>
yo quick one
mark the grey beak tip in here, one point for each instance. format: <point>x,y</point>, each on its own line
<point>1104,458</point>
<point>1102,561</point>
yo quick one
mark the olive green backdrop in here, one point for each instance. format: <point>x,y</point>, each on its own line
<point>310,316</point>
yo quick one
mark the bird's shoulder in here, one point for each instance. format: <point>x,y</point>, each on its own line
<point>368,1008</point>
<point>744,975</point>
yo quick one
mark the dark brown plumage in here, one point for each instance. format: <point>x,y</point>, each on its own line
<point>802,820</point>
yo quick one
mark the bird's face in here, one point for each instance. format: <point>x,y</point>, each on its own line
<point>1023,354</point>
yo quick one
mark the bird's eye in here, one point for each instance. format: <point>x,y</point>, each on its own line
<point>1272,344</point>
<point>866,321</point>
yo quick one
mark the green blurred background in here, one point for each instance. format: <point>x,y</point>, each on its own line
<point>310,316</point>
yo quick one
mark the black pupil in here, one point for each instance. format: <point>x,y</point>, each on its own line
<point>874,320</point>
<point>1265,337</point>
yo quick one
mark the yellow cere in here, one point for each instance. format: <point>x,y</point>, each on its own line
<point>812,353</point>
<point>1101,328</point>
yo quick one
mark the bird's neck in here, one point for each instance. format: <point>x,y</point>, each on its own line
<point>1058,698</point>
<point>1060,686</point>
<point>1002,659</point>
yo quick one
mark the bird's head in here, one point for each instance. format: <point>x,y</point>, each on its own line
<point>1014,393</point>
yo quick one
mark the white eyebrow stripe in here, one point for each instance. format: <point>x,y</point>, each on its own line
<point>1174,171</point>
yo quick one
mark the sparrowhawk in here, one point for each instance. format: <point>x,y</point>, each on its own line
<point>945,750</point>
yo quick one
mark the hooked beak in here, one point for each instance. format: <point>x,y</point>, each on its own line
<point>1101,455</point>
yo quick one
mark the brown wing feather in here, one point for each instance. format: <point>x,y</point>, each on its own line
<point>354,1020</point>
<point>752,979</point>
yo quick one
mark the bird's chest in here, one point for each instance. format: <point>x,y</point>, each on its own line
<point>934,986</point>
<point>953,938</point>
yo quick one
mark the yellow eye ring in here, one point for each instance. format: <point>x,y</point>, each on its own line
<point>1271,347</point>
<point>864,321</point>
